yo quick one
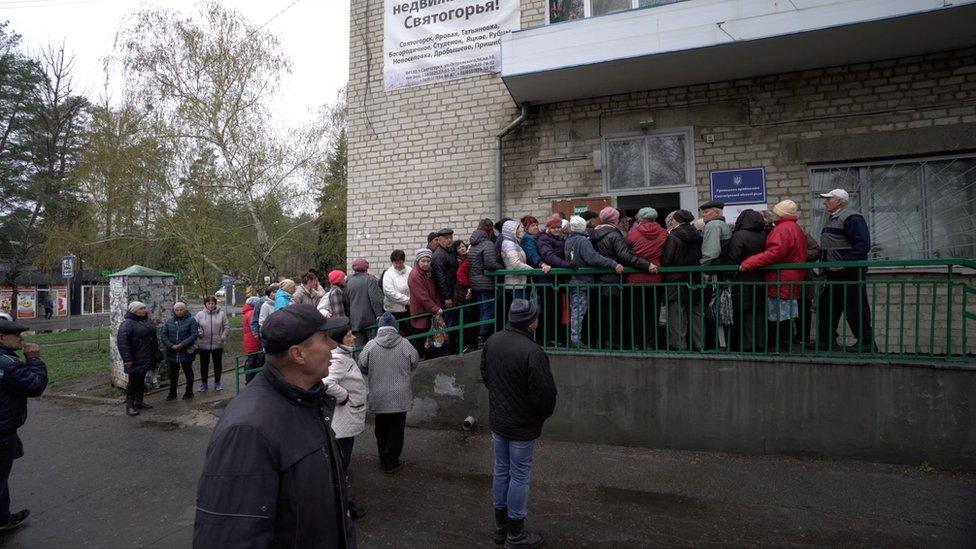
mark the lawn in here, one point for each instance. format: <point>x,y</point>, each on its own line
<point>71,335</point>
<point>68,361</point>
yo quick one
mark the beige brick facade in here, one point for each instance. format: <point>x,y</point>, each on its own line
<point>423,158</point>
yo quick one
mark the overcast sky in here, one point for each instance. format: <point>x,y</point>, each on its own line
<point>314,34</point>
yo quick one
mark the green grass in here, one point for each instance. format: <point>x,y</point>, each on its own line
<point>72,360</point>
<point>72,335</point>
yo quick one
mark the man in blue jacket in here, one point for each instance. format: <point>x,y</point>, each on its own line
<point>18,381</point>
<point>844,237</point>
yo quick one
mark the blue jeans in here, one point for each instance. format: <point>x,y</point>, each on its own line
<point>486,310</point>
<point>513,471</point>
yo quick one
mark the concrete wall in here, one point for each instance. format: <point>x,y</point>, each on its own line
<point>870,411</point>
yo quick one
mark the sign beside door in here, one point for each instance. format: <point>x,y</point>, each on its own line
<point>742,186</point>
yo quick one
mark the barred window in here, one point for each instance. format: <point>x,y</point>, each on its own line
<point>661,159</point>
<point>918,208</point>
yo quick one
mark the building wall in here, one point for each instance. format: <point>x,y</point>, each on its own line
<point>420,158</point>
<point>423,158</point>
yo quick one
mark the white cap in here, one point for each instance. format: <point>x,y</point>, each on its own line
<point>837,193</point>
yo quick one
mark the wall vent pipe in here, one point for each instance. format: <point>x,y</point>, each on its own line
<point>523,115</point>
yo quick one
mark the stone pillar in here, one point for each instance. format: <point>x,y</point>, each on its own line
<point>154,288</point>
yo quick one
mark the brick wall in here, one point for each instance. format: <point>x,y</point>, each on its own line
<point>423,158</point>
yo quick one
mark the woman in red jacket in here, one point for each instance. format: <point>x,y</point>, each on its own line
<point>425,300</point>
<point>785,244</point>
<point>647,239</point>
<point>252,342</point>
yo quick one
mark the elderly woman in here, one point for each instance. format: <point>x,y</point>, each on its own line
<point>514,258</point>
<point>285,290</point>
<point>389,362</point>
<point>180,332</point>
<point>139,348</point>
<point>786,243</point>
<point>345,383</point>
<point>214,329</point>
<point>335,302</point>
<point>425,301</point>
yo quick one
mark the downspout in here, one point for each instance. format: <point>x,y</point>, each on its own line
<point>498,156</point>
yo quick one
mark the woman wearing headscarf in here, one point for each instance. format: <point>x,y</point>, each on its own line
<point>684,307</point>
<point>138,346</point>
<point>425,300</point>
<point>345,383</point>
<point>647,239</point>
<point>285,290</point>
<point>514,258</point>
<point>335,302</point>
<point>365,300</point>
<point>179,334</point>
<point>786,243</point>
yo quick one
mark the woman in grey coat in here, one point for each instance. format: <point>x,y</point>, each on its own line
<point>214,329</point>
<point>389,361</point>
<point>345,383</point>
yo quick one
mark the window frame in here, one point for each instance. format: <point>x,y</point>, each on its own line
<point>865,193</point>
<point>588,10</point>
<point>690,176</point>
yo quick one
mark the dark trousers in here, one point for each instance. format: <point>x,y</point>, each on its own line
<point>218,362</point>
<point>10,449</point>
<point>850,299</point>
<point>389,438</point>
<point>253,362</point>
<point>136,386</point>
<point>551,330</point>
<point>345,451</point>
<point>48,313</point>
<point>402,325</point>
<point>174,376</point>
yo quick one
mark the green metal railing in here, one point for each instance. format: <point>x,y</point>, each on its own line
<point>915,315</point>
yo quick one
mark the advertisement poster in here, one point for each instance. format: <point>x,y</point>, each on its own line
<point>26,301</point>
<point>430,41</point>
<point>61,305</point>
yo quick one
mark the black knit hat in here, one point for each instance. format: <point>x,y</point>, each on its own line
<point>522,313</point>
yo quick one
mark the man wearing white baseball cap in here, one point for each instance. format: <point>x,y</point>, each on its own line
<point>844,237</point>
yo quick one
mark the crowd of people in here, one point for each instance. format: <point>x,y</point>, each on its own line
<point>749,310</point>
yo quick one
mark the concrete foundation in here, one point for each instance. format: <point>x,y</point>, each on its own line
<point>882,412</point>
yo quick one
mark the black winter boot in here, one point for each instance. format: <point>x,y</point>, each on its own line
<point>130,409</point>
<point>141,403</point>
<point>519,537</point>
<point>501,525</point>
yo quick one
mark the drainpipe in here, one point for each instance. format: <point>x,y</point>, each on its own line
<point>498,156</point>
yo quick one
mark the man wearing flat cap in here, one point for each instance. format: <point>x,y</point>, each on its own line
<point>715,232</point>
<point>521,397</point>
<point>273,473</point>
<point>18,381</point>
<point>443,267</point>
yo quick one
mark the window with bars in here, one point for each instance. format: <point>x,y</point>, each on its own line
<point>568,10</point>
<point>919,208</point>
<point>660,159</point>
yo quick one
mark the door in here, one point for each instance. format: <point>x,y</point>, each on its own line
<point>664,203</point>
<point>577,206</point>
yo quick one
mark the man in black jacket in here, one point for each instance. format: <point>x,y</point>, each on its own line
<point>18,381</point>
<point>521,396</point>
<point>273,475</point>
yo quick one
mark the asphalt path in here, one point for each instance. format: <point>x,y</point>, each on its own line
<point>95,478</point>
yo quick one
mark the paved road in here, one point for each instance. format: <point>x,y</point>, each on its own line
<point>94,478</point>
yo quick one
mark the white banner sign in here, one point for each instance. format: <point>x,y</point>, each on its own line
<point>428,41</point>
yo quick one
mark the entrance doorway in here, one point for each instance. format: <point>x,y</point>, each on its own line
<point>664,203</point>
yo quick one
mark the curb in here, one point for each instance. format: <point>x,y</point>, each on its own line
<point>82,398</point>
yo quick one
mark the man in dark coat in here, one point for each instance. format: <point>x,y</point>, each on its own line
<point>18,381</point>
<point>749,298</point>
<point>273,474</point>
<point>521,396</point>
<point>444,266</point>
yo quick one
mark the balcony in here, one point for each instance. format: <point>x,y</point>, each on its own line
<point>700,41</point>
